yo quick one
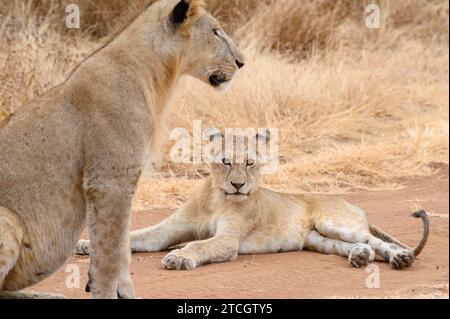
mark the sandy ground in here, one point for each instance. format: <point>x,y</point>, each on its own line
<point>303,274</point>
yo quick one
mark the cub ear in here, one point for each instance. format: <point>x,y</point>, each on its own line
<point>186,10</point>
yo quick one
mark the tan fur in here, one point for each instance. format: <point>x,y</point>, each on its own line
<point>77,153</point>
<point>222,220</point>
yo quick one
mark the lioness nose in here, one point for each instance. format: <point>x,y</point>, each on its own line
<point>238,185</point>
<point>240,64</point>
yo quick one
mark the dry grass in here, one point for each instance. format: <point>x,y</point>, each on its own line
<point>355,107</point>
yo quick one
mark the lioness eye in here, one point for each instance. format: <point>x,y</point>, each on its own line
<point>226,162</point>
<point>217,32</point>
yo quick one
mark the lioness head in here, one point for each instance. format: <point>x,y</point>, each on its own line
<point>237,174</point>
<point>207,52</point>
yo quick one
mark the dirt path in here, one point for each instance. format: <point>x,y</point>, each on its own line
<point>304,274</point>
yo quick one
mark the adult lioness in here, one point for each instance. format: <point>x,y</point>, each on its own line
<point>77,152</point>
<point>232,214</point>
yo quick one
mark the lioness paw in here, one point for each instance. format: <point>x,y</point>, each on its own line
<point>125,288</point>
<point>177,260</point>
<point>401,258</point>
<point>361,255</point>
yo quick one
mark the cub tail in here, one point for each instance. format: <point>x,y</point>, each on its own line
<point>418,249</point>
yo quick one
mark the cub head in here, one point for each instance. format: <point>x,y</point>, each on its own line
<point>236,174</point>
<point>207,52</point>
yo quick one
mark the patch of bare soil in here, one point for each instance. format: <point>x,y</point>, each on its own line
<point>303,274</point>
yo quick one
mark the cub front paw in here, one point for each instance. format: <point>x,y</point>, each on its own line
<point>177,260</point>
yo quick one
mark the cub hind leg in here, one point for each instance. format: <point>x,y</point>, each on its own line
<point>358,254</point>
<point>397,256</point>
<point>350,225</point>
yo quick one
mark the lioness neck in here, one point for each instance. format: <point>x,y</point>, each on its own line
<point>150,59</point>
<point>140,54</point>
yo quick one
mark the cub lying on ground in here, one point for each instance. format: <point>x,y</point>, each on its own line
<point>232,214</point>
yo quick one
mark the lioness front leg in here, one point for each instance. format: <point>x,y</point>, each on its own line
<point>109,206</point>
<point>176,229</point>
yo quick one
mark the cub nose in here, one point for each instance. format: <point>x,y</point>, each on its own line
<point>240,64</point>
<point>238,185</point>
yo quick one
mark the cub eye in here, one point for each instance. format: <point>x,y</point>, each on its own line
<point>226,162</point>
<point>250,163</point>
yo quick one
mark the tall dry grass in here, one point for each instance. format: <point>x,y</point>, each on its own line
<point>356,108</point>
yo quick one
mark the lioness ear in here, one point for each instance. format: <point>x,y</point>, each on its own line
<point>180,12</point>
<point>186,10</point>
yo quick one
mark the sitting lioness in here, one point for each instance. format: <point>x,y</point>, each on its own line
<point>75,154</point>
<point>232,214</point>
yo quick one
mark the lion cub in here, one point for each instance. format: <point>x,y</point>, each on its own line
<point>232,214</point>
